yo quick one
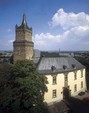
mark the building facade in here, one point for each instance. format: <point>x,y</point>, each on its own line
<point>56,86</point>
<point>65,75</point>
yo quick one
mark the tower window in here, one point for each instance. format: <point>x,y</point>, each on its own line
<point>54,79</point>
<point>82,84</point>
<point>54,93</point>
<point>75,87</point>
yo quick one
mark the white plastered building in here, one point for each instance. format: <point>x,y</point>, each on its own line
<point>65,75</point>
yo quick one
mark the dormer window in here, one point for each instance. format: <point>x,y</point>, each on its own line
<point>53,68</point>
<point>73,66</point>
<point>64,67</point>
<point>43,56</point>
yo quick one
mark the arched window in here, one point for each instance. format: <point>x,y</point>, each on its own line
<point>81,73</point>
<point>75,76</point>
<point>75,87</point>
<point>82,84</point>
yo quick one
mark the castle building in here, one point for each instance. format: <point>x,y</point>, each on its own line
<point>65,75</point>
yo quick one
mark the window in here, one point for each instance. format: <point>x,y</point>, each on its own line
<point>82,84</point>
<point>81,73</point>
<point>53,68</point>
<point>54,80</point>
<point>54,93</point>
<point>73,66</point>
<point>75,87</point>
<point>64,67</point>
<point>75,76</point>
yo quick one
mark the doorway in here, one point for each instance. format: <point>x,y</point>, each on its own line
<point>66,92</point>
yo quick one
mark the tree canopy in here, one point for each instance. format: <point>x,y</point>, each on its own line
<point>22,88</point>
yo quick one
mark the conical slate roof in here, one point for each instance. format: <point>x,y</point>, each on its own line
<point>24,24</point>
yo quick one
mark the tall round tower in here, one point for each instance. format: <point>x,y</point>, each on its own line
<point>23,45</point>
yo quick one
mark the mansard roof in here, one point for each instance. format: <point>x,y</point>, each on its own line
<point>54,63</point>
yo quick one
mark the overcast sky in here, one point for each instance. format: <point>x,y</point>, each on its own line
<point>57,24</point>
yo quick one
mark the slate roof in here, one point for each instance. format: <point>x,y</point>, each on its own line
<point>57,64</point>
<point>24,24</point>
<point>50,54</point>
<point>36,56</point>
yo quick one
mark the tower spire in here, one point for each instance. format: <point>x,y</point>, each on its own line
<point>24,22</point>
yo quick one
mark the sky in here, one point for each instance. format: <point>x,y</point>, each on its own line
<point>57,24</point>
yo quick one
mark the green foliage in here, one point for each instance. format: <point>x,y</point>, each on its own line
<point>22,88</point>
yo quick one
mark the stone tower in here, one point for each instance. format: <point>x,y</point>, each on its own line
<point>23,45</point>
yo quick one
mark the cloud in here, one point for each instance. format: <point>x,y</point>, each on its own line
<point>74,36</point>
<point>74,39</point>
<point>46,41</point>
<point>80,31</point>
<point>69,20</point>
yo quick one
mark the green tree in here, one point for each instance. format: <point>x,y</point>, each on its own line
<point>22,88</point>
